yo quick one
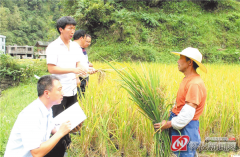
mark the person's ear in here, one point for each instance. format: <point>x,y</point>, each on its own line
<point>60,29</point>
<point>191,62</point>
<point>47,93</point>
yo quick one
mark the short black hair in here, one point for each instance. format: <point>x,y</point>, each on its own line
<point>45,83</point>
<point>65,20</point>
<point>78,34</point>
<point>88,35</point>
<point>195,65</point>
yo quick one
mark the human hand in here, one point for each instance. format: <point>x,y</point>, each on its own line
<point>91,70</point>
<point>90,64</point>
<point>80,71</point>
<point>77,128</point>
<point>161,125</point>
<point>65,128</point>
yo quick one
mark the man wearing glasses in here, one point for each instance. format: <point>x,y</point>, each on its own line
<point>82,41</point>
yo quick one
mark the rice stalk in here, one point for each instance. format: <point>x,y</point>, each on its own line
<point>101,75</point>
<point>145,90</point>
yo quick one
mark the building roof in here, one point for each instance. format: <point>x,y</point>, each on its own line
<point>42,44</point>
<point>2,36</point>
<point>18,46</point>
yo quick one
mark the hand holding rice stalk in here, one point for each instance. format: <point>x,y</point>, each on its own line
<point>145,90</point>
<point>101,73</point>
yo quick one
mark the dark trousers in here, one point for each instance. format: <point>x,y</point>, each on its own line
<point>62,145</point>
<point>82,89</point>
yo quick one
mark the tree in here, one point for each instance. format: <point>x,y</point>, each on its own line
<point>14,19</point>
<point>4,12</point>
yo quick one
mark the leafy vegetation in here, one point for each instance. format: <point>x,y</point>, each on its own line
<point>149,30</point>
<point>26,21</point>
<point>131,30</point>
<point>20,70</point>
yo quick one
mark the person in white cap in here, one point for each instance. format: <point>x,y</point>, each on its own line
<point>183,123</point>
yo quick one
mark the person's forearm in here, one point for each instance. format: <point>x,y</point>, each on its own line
<point>57,70</point>
<point>163,125</point>
<point>167,125</point>
<point>79,65</point>
<point>47,146</point>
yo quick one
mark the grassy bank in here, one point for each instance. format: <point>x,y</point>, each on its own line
<point>115,127</point>
<point>149,30</point>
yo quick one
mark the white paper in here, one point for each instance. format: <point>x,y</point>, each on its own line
<point>74,114</point>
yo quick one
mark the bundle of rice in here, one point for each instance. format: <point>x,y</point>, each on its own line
<point>145,90</point>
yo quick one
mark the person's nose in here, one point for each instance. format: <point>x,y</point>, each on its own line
<point>73,31</point>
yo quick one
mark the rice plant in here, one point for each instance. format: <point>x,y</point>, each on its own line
<point>114,127</point>
<point>147,93</point>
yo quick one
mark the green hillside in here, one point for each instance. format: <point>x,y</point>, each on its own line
<point>24,22</point>
<point>125,30</point>
<point>149,30</point>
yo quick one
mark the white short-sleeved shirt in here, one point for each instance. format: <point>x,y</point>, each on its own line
<point>82,58</point>
<point>59,55</point>
<point>32,127</point>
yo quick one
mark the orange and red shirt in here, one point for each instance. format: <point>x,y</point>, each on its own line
<point>192,89</point>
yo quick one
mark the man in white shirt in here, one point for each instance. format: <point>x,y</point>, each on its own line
<point>31,131</point>
<point>81,41</point>
<point>64,62</point>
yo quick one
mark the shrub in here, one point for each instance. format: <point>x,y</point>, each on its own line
<point>20,71</point>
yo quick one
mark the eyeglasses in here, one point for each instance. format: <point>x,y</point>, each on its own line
<point>71,28</point>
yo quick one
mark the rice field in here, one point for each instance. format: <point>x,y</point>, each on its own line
<point>114,125</point>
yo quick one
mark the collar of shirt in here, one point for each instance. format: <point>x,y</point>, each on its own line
<point>59,40</point>
<point>43,108</point>
<point>84,51</point>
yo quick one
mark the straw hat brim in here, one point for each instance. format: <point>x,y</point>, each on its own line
<point>201,66</point>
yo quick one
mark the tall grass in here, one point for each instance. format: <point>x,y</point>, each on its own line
<point>114,126</point>
<point>12,103</point>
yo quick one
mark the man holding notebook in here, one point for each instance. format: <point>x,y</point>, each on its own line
<point>30,135</point>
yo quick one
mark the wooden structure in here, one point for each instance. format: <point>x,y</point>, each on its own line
<point>41,49</point>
